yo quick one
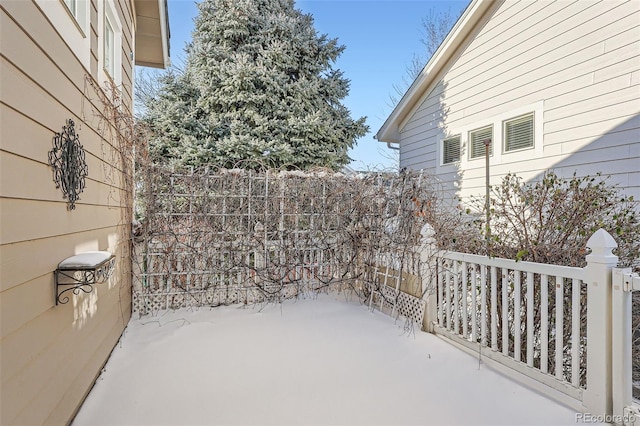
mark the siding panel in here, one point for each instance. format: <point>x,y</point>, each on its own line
<point>32,61</point>
<point>27,98</point>
<point>50,355</point>
<point>566,30</point>
<point>40,186</point>
<point>59,221</point>
<point>37,26</point>
<point>579,60</point>
<point>613,113</point>
<point>28,260</point>
<point>590,132</point>
<point>590,94</point>
<point>18,128</point>
<point>44,378</point>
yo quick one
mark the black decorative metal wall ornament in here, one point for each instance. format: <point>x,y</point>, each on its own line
<point>67,159</point>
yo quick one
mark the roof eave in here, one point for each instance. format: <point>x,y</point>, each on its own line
<point>390,130</point>
<point>152,33</point>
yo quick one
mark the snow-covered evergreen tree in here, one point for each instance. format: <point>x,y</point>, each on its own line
<point>258,85</point>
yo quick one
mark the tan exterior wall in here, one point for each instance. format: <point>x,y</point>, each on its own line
<point>576,65</point>
<point>50,355</point>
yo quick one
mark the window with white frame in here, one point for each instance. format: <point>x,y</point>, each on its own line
<point>109,48</point>
<point>110,36</point>
<point>518,133</point>
<point>72,5</point>
<point>476,141</point>
<point>78,10</point>
<point>70,18</point>
<point>451,150</point>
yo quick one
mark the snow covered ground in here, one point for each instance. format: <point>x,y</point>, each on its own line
<point>323,361</point>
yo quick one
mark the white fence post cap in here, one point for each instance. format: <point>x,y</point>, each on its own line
<point>427,233</point>
<point>601,244</point>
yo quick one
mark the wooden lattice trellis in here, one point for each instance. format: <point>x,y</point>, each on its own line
<point>236,236</point>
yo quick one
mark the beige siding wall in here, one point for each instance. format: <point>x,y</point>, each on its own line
<point>575,64</point>
<point>50,355</point>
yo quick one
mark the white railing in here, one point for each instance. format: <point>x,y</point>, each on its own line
<point>516,312</point>
<point>625,409</point>
<point>532,321</point>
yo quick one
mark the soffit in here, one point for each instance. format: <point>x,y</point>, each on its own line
<point>152,33</point>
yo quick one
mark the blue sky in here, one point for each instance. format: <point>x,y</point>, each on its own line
<point>381,37</point>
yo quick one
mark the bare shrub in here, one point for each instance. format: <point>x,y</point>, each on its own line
<point>550,220</point>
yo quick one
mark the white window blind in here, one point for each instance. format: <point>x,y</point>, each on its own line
<point>476,141</point>
<point>451,150</point>
<point>518,133</point>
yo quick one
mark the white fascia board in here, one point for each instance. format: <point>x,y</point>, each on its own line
<point>164,30</point>
<point>390,130</point>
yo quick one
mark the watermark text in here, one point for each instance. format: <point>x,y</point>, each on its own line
<point>627,419</point>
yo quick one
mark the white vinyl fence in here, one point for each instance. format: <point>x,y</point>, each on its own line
<point>556,328</point>
<point>624,406</point>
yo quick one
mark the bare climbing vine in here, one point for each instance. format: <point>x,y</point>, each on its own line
<point>106,113</point>
<point>210,237</point>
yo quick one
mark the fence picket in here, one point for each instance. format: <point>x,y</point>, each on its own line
<point>544,323</point>
<point>441,304</point>
<point>465,301</point>
<point>559,339</point>
<point>448,296</point>
<point>508,309</point>
<point>505,311</point>
<point>456,297</point>
<point>474,306</point>
<point>530,314</point>
<point>575,332</point>
<point>516,316</point>
<point>483,305</point>
<point>494,308</point>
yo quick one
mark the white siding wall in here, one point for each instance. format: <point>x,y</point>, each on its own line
<point>575,64</point>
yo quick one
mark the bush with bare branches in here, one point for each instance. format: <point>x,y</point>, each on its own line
<point>546,221</point>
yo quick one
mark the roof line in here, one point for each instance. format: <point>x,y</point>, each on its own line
<point>390,130</point>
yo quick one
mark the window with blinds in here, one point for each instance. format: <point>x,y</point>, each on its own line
<point>476,141</point>
<point>518,133</point>
<point>451,150</point>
